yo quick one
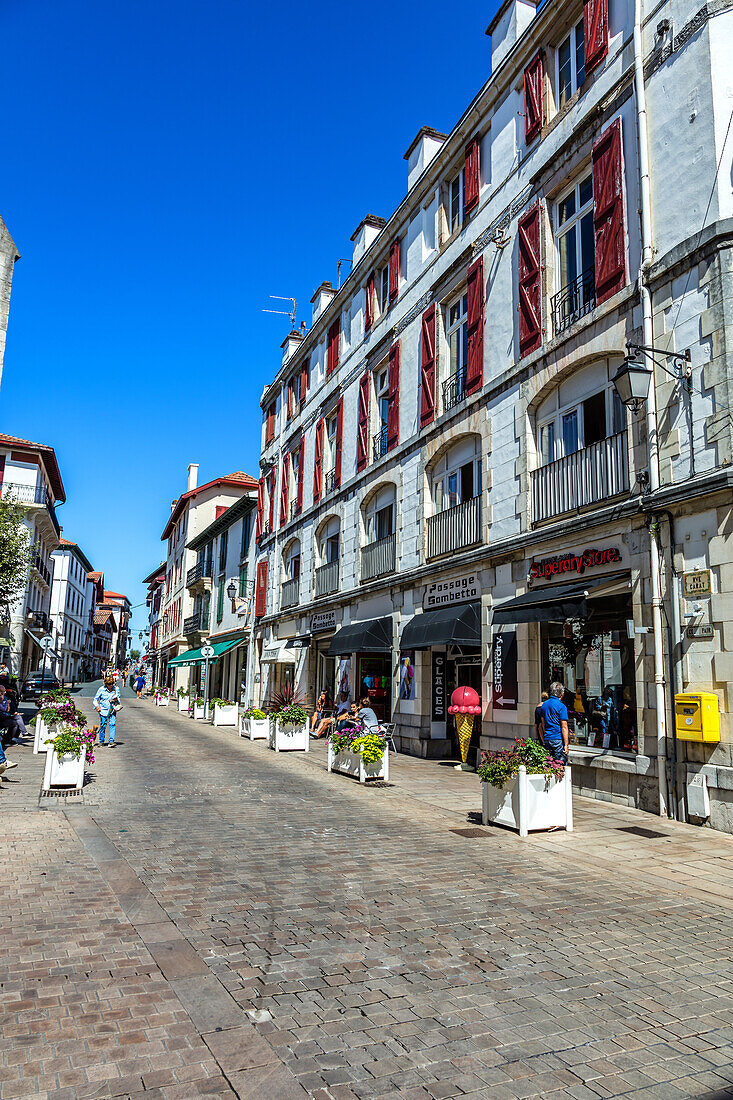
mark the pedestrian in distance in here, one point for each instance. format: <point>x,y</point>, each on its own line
<point>554,728</point>
<point>139,684</point>
<point>105,701</point>
<point>538,715</point>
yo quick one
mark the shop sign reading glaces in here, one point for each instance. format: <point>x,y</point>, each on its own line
<point>573,563</point>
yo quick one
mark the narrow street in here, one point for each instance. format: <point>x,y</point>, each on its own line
<point>216,920</point>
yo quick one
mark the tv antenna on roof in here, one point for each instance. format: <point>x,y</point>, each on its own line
<point>283,312</point>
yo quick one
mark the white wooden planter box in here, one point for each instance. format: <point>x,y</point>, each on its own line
<point>254,728</point>
<point>40,735</point>
<point>530,802</point>
<point>352,763</point>
<point>182,703</point>
<point>64,771</point>
<point>285,737</point>
<point>161,701</point>
<point>225,716</point>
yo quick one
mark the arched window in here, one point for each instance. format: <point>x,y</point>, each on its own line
<point>329,541</point>
<point>379,514</point>
<point>291,561</point>
<point>581,411</point>
<point>456,477</point>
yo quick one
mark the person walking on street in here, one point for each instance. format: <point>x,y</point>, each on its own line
<point>538,715</point>
<point>139,684</point>
<point>104,702</point>
<point>554,729</point>
<point>5,764</point>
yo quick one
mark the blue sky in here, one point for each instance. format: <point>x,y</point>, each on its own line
<point>167,165</point>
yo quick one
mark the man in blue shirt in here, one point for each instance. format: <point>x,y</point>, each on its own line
<point>554,732</point>
<point>104,702</point>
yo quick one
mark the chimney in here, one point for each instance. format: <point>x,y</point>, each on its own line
<point>366,232</point>
<point>321,298</point>
<point>193,475</point>
<point>290,344</point>
<point>425,145</point>
<point>173,505</point>
<point>508,26</point>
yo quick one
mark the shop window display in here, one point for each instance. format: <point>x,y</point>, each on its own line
<point>374,671</point>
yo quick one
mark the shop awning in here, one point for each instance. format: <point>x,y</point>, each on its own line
<point>303,641</point>
<point>449,625</point>
<point>278,654</point>
<point>559,601</point>
<point>193,656</point>
<point>370,636</point>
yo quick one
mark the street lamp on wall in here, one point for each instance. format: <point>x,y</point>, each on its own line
<point>232,592</point>
<point>633,378</point>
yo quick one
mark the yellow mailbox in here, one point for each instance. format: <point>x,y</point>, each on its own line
<point>696,717</point>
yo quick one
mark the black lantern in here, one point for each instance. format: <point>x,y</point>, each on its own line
<point>631,382</point>
<point>231,590</point>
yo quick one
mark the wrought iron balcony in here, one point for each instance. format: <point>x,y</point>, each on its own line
<point>196,623</point>
<point>41,621</point>
<point>455,529</point>
<point>380,443</point>
<point>327,578</point>
<point>202,570</point>
<point>41,568</point>
<point>290,593</point>
<point>574,300</point>
<point>31,494</point>
<point>589,476</point>
<point>378,558</point>
<point>329,481</point>
<point>454,390</point>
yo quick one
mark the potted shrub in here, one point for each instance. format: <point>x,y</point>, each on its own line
<point>161,697</point>
<point>197,707</point>
<point>67,754</point>
<point>359,753</point>
<point>290,729</point>
<point>254,724</point>
<point>224,712</point>
<point>526,789</point>
<point>182,694</point>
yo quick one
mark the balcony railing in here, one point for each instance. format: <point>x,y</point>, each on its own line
<point>31,494</point>
<point>455,529</point>
<point>289,594</point>
<point>294,509</point>
<point>574,300</point>
<point>589,476</point>
<point>40,566</point>
<point>198,572</point>
<point>327,578</point>
<point>196,623</point>
<point>329,481</point>
<point>380,443</point>
<point>41,621</point>
<point>454,390</point>
<point>379,558</point>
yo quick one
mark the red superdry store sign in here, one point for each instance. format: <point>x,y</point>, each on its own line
<point>574,563</point>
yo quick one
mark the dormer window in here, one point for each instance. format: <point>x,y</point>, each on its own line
<point>570,65</point>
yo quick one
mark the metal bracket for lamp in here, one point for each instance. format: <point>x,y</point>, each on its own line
<point>633,378</point>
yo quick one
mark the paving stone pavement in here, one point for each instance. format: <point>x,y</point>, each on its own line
<point>218,920</point>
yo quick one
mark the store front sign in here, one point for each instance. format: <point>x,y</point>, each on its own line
<point>438,687</point>
<point>505,686</point>
<point>457,590</point>
<point>574,563</point>
<point>323,620</point>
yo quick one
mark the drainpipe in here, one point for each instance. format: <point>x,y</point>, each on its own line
<point>651,411</point>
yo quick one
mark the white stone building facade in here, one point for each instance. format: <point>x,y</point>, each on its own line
<point>73,602</point>
<point>452,492</point>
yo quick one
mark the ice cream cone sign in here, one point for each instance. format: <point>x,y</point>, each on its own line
<point>465,705</point>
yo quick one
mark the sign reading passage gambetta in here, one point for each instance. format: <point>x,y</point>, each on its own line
<point>504,675</point>
<point>573,563</point>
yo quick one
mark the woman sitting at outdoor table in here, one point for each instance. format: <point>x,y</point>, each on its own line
<point>321,708</point>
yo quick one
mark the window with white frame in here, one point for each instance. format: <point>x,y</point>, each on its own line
<point>581,412</point>
<point>329,541</point>
<point>456,331</point>
<point>457,476</point>
<point>455,203</point>
<point>575,254</point>
<point>331,434</point>
<point>381,287</point>
<point>381,393</point>
<point>291,561</point>
<point>380,515</point>
<point>570,64</point>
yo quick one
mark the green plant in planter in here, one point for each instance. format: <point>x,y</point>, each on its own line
<point>292,715</point>
<point>220,703</point>
<point>72,742</point>
<point>370,747</point>
<point>62,711</point>
<point>181,692</point>
<point>498,768</point>
<point>253,712</point>
<point>198,701</point>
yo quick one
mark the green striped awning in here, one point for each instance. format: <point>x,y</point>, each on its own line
<point>193,656</point>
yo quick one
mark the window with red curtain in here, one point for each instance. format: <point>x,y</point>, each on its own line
<point>530,308</point>
<point>534,97</point>
<point>339,442</point>
<point>362,437</point>
<point>608,212</point>
<point>301,467</point>
<point>471,176</point>
<point>394,269</point>
<point>475,335</point>
<point>332,347</point>
<point>273,485</point>
<point>369,304</point>
<point>393,397</point>
<point>318,463</point>
<point>595,32</point>
<point>427,368</point>
<point>284,487</point>
<point>270,423</point>
<point>261,589</point>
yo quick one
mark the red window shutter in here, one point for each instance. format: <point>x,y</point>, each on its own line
<point>303,382</point>
<point>362,439</point>
<point>475,364</point>
<point>284,486</point>
<point>530,309</point>
<point>427,368</point>
<point>369,307</point>
<point>595,32</point>
<point>394,270</point>
<point>260,508</point>
<point>318,463</point>
<point>270,428</point>
<point>534,97</point>
<point>332,350</point>
<point>273,485</point>
<point>471,176</point>
<point>261,589</point>
<point>393,397</point>
<point>339,438</point>
<point>608,203</point>
<point>301,467</point>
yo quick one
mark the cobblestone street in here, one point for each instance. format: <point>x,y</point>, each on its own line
<point>216,920</point>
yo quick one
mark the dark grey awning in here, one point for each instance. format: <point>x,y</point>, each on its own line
<point>559,601</point>
<point>370,636</point>
<point>444,626</point>
<point>303,641</point>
